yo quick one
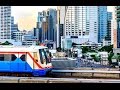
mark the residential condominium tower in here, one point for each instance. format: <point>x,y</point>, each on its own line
<point>81,24</point>
<point>5,22</point>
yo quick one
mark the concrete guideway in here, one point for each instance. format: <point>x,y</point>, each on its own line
<point>85,71</point>
<point>54,80</point>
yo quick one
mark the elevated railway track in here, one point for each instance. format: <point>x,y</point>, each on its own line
<point>86,73</point>
<point>54,80</point>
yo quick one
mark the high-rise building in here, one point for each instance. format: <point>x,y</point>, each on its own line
<point>37,33</point>
<point>12,20</point>
<point>102,23</point>
<point>61,10</point>
<point>109,18</point>
<point>47,22</point>
<point>14,27</point>
<point>107,40</point>
<point>40,17</point>
<point>81,22</point>
<point>52,30</point>
<point>116,27</point>
<point>5,22</point>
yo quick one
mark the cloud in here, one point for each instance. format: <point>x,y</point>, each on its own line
<point>27,23</point>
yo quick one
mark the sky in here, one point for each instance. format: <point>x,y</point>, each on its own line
<point>26,16</point>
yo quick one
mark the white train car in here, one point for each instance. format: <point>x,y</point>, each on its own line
<point>34,60</point>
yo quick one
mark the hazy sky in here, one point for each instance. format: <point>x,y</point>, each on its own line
<point>26,16</point>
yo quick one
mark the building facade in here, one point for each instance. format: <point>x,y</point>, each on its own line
<point>47,22</point>
<point>37,33</point>
<point>5,22</point>
<point>81,24</point>
<point>116,27</point>
<point>14,27</point>
<point>29,39</point>
<point>102,29</point>
<point>109,18</point>
<point>17,36</point>
<point>61,10</point>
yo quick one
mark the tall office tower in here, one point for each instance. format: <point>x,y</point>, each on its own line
<point>47,21</point>
<point>61,10</point>
<point>40,17</point>
<point>109,18</point>
<point>81,24</point>
<point>5,22</point>
<point>38,29</point>
<point>52,30</point>
<point>37,34</point>
<point>102,16</point>
<point>115,34</point>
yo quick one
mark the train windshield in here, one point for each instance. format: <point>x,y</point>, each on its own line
<point>44,55</point>
<point>47,55</point>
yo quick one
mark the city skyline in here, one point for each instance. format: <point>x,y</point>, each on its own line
<point>26,16</point>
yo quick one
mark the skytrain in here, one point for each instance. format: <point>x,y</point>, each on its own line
<point>25,60</point>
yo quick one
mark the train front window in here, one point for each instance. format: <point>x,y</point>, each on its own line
<point>43,56</point>
<point>46,53</point>
<point>48,56</point>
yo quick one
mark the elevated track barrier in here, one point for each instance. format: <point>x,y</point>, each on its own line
<point>92,73</point>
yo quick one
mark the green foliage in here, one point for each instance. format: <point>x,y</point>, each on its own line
<point>110,57</point>
<point>97,58</point>
<point>118,57</point>
<point>92,56</point>
<point>91,50</point>
<point>6,43</point>
<point>107,48</point>
<point>85,49</point>
<point>59,49</point>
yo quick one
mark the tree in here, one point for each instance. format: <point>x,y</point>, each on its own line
<point>110,57</point>
<point>96,58</point>
<point>85,49</point>
<point>119,58</point>
<point>107,48</point>
<point>6,43</point>
<point>58,49</point>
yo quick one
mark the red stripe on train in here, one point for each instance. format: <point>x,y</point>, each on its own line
<point>23,53</point>
<point>34,60</point>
